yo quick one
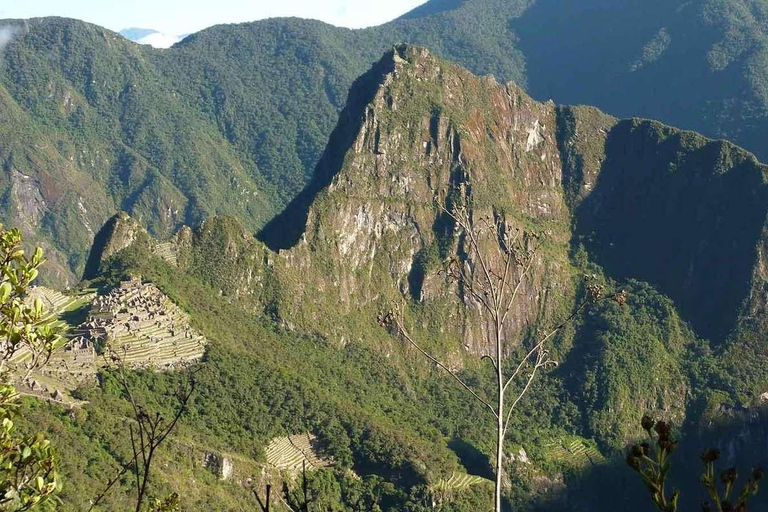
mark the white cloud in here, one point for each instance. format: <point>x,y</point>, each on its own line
<point>159,40</point>
<point>8,32</point>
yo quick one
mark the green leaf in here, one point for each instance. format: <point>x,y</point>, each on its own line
<point>5,292</point>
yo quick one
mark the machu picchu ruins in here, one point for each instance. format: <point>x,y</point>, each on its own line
<point>140,325</point>
<point>135,322</point>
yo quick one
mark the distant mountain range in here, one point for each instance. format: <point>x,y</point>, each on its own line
<point>151,37</point>
<point>249,107</point>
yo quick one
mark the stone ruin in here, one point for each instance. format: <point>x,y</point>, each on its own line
<point>136,321</point>
<point>219,465</point>
<point>68,367</point>
<point>143,327</point>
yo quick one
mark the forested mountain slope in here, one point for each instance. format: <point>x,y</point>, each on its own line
<point>234,118</point>
<point>296,345</point>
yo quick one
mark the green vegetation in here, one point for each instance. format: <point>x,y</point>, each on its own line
<point>28,472</point>
<point>652,461</point>
<point>390,422</point>
<point>259,382</point>
<point>295,347</point>
<point>234,119</point>
<point>28,467</point>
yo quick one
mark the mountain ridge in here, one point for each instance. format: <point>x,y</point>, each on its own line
<point>151,37</point>
<point>302,70</point>
<point>422,128</point>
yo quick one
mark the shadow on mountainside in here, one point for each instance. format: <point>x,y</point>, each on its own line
<point>285,230</point>
<point>740,435</point>
<point>649,58</point>
<point>681,212</point>
<point>473,460</point>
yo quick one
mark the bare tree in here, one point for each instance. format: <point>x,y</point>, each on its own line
<point>294,503</point>
<point>300,503</point>
<point>146,436</point>
<point>492,273</point>
<point>264,504</point>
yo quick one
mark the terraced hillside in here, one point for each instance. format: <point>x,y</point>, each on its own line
<point>292,453</point>
<point>136,322</point>
<point>575,452</point>
<point>167,251</point>
<point>70,366</point>
<point>57,303</point>
<point>458,482</point>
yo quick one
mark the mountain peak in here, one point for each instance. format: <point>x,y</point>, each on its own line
<point>119,232</point>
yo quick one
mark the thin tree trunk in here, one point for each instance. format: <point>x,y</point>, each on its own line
<point>500,419</point>
<point>499,452</point>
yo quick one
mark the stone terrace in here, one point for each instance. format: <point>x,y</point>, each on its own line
<point>136,321</point>
<point>143,327</point>
<point>290,453</point>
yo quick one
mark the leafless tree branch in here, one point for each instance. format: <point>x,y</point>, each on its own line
<point>495,283</point>
<point>404,333</point>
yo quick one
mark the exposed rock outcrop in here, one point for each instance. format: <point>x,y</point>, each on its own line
<point>219,465</point>
<point>120,232</point>
<point>430,130</point>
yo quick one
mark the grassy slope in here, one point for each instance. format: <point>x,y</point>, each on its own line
<point>260,381</point>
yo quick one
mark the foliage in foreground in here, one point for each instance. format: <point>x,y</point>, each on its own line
<point>651,460</point>
<point>28,474</point>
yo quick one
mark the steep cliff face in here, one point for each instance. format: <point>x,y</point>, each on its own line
<point>684,213</point>
<point>417,131</point>
<point>681,212</point>
<point>430,131</point>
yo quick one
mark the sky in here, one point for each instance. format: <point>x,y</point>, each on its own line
<point>186,16</point>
